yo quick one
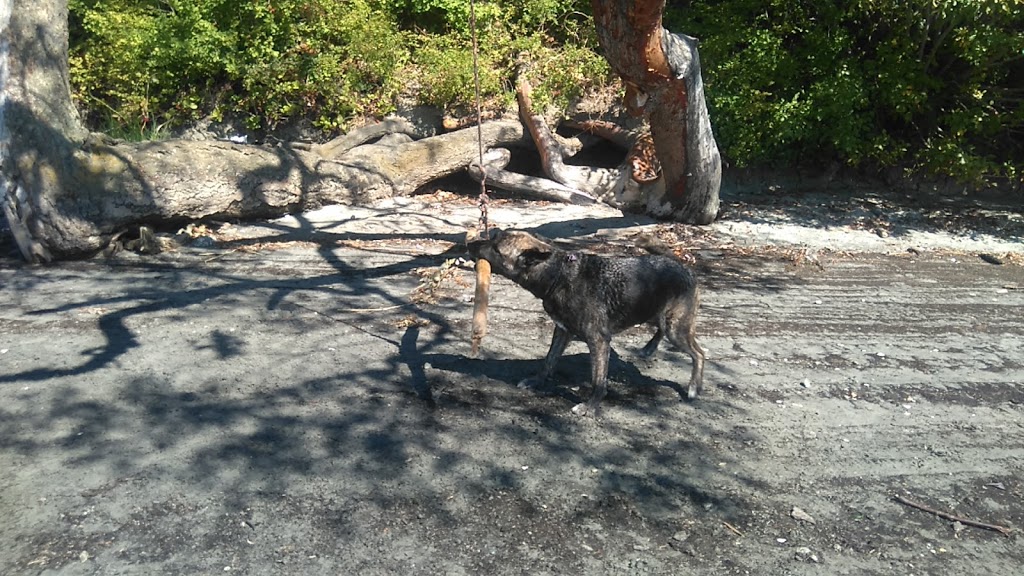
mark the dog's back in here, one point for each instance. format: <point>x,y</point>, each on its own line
<point>631,290</point>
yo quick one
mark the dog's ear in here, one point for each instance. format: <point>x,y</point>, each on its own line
<point>532,257</point>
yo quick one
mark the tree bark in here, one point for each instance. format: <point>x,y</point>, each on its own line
<point>661,72</point>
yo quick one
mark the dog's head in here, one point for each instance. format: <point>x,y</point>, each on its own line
<point>511,253</point>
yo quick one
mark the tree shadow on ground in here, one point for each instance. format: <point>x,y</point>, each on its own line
<point>367,441</point>
<point>403,425</point>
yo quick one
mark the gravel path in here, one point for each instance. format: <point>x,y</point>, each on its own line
<point>298,398</point>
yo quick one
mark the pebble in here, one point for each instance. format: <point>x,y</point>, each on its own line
<point>804,553</point>
<point>678,542</point>
<point>799,514</point>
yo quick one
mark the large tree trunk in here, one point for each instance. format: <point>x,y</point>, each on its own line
<point>33,86</point>
<point>65,192</point>
<point>662,75</point>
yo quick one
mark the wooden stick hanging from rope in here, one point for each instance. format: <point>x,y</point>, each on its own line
<point>483,267</point>
<point>480,297</point>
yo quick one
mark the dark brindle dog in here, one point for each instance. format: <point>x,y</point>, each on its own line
<point>592,297</point>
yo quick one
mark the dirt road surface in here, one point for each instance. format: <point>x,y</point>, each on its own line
<point>298,397</point>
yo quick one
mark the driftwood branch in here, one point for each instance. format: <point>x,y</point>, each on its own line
<point>599,182</point>
<point>610,131</point>
<point>566,182</point>
<point>965,521</point>
<point>495,161</point>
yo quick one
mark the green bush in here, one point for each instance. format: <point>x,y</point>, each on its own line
<point>446,74</point>
<point>560,18</point>
<point>923,84</point>
<point>552,41</point>
<point>929,85</point>
<point>141,66</point>
<point>149,64</point>
<point>330,61</point>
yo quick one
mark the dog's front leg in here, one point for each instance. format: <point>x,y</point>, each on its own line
<point>600,351</point>
<point>559,340</point>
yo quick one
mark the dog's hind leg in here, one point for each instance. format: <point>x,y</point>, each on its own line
<point>559,340</point>
<point>648,350</point>
<point>681,328</point>
<point>600,351</point>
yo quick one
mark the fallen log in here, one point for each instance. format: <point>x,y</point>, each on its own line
<point>67,199</point>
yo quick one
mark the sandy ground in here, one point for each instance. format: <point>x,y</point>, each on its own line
<point>297,397</point>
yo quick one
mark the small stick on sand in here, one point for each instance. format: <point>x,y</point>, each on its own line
<point>732,528</point>
<point>483,286</point>
<point>965,521</point>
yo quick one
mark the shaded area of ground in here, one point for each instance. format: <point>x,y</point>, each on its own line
<point>309,406</point>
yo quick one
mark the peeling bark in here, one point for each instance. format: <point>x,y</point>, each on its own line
<point>661,72</point>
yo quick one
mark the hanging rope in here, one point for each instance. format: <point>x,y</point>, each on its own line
<point>482,203</point>
<point>483,267</point>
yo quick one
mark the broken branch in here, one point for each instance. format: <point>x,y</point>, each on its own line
<point>594,181</point>
<point>965,521</point>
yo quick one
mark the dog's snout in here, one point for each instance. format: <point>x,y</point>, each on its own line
<point>479,242</point>
<point>478,237</point>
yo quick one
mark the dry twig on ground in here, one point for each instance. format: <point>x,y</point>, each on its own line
<point>965,521</point>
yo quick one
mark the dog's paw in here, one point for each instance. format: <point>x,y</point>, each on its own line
<point>646,352</point>
<point>584,409</point>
